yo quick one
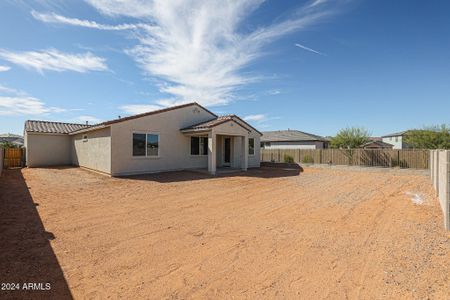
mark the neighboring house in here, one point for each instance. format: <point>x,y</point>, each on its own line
<point>376,145</point>
<point>396,139</point>
<point>16,140</point>
<point>292,139</point>
<point>177,138</point>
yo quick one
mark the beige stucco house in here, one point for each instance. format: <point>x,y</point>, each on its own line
<point>177,138</point>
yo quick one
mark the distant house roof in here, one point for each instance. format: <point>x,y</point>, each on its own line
<point>290,136</point>
<point>375,138</point>
<point>11,138</point>
<point>396,134</point>
<point>52,127</point>
<point>377,144</point>
<point>217,121</point>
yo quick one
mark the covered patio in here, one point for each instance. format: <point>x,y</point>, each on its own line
<point>224,140</point>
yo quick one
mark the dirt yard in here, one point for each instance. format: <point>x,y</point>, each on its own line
<point>323,233</point>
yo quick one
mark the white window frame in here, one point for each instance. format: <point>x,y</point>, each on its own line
<point>254,146</point>
<point>146,154</point>
<point>190,145</point>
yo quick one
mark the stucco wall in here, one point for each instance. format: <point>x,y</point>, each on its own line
<point>174,146</point>
<point>44,150</point>
<point>397,141</point>
<point>440,176</point>
<point>93,152</point>
<point>227,129</point>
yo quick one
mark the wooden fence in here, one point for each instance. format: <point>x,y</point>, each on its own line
<point>13,157</point>
<point>417,159</point>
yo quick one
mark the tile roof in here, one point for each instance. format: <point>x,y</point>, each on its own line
<point>290,135</point>
<point>396,134</point>
<point>220,120</point>
<point>52,127</point>
<point>379,143</point>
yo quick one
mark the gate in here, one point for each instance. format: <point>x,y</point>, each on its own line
<point>13,158</point>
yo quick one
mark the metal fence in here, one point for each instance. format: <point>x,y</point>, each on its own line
<point>408,158</point>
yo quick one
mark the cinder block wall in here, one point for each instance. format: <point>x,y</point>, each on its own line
<point>440,176</point>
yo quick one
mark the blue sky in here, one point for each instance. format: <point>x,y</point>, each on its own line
<point>315,65</point>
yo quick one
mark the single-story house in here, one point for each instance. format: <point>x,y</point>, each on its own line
<point>292,139</point>
<point>376,145</point>
<point>396,139</point>
<point>182,137</point>
<point>14,139</point>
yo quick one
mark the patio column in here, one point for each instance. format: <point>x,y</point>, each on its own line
<point>212,153</point>
<point>244,161</point>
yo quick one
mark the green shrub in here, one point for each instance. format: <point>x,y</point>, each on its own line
<point>308,159</point>
<point>288,159</point>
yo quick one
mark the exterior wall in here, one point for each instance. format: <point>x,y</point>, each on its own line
<point>396,141</point>
<point>174,146</point>
<point>440,177</point>
<point>295,145</point>
<point>93,152</point>
<point>236,132</point>
<point>45,150</point>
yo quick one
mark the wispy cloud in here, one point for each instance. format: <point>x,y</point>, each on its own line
<point>4,68</point>
<point>90,119</point>
<point>309,49</point>
<point>256,118</point>
<point>274,92</point>
<point>58,19</point>
<point>11,106</point>
<point>134,109</point>
<point>16,102</point>
<point>198,49</point>
<point>55,60</point>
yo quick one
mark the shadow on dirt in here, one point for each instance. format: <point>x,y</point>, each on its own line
<point>26,255</point>
<point>263,172</point>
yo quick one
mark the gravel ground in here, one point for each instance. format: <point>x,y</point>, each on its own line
<point>269,233</point>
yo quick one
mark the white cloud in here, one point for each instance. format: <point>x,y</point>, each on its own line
<point>274,92</point>
<point>16,102</point>
<point>129,8</point>
<point>58,19</point>
<point>134,109</point>
<point>90,119</point>
<point>199,48</point>
<point>55,60</point>
<point>4,68</point>
<point>309,49</point>
<point>17,105</point>
<point>256,118</point>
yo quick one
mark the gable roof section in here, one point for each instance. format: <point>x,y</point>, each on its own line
<point>379,143</point>
<point>52,127</point>
<point>220,120</point>
<point>290,136</point>
<point>154,112</point>
<point>396,134</point>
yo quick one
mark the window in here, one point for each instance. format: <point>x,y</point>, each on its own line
<point>199,145</point>
<point>251,146</point>
<point>396,138</point>
<point>145,144</point>
<point>85,138</point>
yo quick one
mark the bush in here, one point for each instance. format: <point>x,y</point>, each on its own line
<point>288,159</point>
<point>308,159</point>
